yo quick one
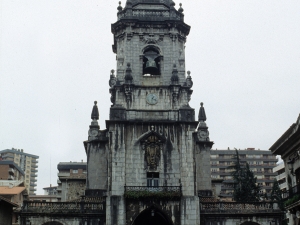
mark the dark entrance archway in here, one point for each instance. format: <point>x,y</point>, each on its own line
<point>152,216</point>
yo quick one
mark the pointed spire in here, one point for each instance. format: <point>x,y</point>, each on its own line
<point>95,112</point>
<point>202,115</point>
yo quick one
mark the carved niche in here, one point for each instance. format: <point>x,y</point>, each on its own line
<point>152,146</point>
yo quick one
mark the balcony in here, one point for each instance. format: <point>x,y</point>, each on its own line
<point>162,192</point>
<point>10,177</point>
<point>11,171</point>
<point>63,174</point>
<point>281,176</point>
<point>291,193</point>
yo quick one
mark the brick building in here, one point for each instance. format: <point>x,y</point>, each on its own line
<point>9,170</point>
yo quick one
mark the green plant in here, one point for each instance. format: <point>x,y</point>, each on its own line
<point>292,200</point>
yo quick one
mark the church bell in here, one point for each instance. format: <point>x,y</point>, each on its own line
<point>151,66</point>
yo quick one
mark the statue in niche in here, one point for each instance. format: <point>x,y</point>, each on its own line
<point>152,147</point>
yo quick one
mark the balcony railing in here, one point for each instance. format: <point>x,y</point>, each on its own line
<point>11,171</point>
<point>292,192</point>
<point>95,206</point>
<point>168,192</point>
<point>236,207</point>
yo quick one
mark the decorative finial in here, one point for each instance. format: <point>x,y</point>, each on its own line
<point>112,72</point>
<point>95,112</point>
<point>202,115</point>
<point>119,7</point>
<point>180,9</point>
<point>189,81</point>
<point>128,65</point>
<point>172,3</point>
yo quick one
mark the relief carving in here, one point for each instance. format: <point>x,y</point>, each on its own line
<point>152,147</point>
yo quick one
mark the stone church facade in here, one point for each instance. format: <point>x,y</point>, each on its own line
<point>153,157</point>
<point>151,163</point>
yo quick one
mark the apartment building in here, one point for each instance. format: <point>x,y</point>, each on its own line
<point>27,162</point>
<point>71,180</point>
<point>10,171</point>
<point>281,175</point>
<point>261,162</point>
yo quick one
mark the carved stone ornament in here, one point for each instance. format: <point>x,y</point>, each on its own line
<point>203,135</point>
<point>152,147</point>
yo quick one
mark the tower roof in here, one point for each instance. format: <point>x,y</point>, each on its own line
<point>150,10</point>
<point>166,2</point>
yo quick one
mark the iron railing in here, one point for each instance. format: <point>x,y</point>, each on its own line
<point>153,192</point>
<point>291,192</point>
<point>236,207</point>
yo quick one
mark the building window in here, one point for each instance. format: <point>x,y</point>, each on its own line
<point>152,179</point>
<point>75,171</point>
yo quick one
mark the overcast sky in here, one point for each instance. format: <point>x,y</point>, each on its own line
<point>56,58</point>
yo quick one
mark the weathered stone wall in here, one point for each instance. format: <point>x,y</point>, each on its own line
<point>35,220</point>
<point>97,165</point>
<point>202,161</point>
<point>132,41</point>
<point>242,220</point>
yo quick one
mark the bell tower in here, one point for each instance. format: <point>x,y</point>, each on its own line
<point>153,159</point>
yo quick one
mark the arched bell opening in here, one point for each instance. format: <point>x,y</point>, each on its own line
<point>152,216</point>
<point>151,62</point>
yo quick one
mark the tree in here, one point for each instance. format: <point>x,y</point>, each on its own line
<point>276,194</point>
<point>245,187</point>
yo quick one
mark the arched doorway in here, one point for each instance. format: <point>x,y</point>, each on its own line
<point>152,216</point>
<point>53,223</point>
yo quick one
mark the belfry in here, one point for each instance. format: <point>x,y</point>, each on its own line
<point>153,157</point>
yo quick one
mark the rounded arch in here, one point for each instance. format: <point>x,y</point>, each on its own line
<point>249,223</point>
<point>52,223</point>
<point>151,46</point>
<point>152,215</point>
